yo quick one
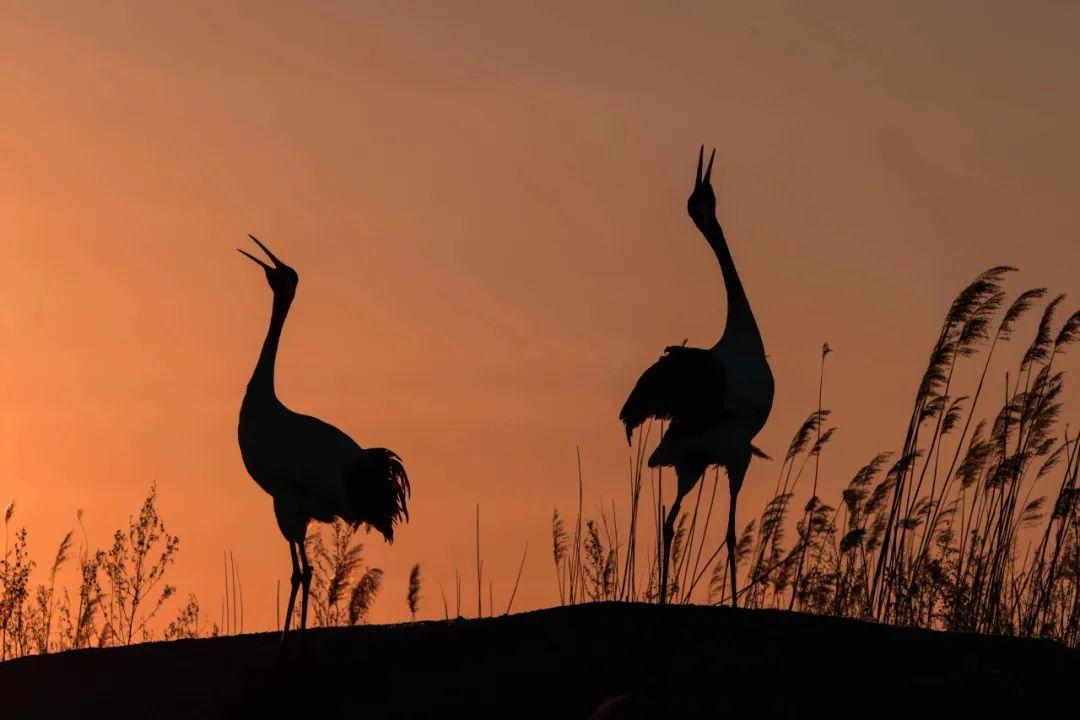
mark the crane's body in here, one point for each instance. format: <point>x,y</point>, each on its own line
<point>730,418</point>
<point>296,459</point>
<point>717,399</point>
<point>311,469</point>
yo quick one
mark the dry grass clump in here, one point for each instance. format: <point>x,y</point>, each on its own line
<point>134,568</point>
<point>343,589</point>
<point>970,524</point>
<point>186,624</point>
<point>120,590</point>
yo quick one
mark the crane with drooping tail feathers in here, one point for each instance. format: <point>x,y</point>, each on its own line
<point>717,399</point>
<point>312,470</point>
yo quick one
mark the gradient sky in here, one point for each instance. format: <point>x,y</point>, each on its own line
<point>486,207</point>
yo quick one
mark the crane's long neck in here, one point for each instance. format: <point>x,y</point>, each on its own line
<point>740,325</point>
<point>262,379</point>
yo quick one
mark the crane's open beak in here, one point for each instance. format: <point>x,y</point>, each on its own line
<point>277,263</point>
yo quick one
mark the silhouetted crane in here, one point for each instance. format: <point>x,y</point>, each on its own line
<point>312,470</point>
<point>716,399</point>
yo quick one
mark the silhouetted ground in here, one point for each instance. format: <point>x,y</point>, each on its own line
<point>635,660</point>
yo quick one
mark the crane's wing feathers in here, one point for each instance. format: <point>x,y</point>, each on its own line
<point>685,385</point>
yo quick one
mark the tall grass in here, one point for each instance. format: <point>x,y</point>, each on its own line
<point>120,591</point>
<point>412,597</point>
<point>480,567</point>
<point>343,588</point>
<point>971,523</point>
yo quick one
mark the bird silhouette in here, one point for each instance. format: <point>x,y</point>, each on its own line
<point>312,470</point>
<point>716,399</point>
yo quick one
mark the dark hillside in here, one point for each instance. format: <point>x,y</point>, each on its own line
<point>642,660</point>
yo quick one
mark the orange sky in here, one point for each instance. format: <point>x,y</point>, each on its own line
<point>486,207</point>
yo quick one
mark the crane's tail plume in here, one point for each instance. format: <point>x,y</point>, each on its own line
<point>378,489</point>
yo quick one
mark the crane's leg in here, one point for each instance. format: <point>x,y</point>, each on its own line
<point>305,580</point>
<point>669,533</point>
<point>292,593</point>
<point>736,473</point>
<point>730,539</point>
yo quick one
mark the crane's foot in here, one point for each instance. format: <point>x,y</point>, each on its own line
<point>303,644</point>
<point>293,649</point>
<point>284,657</point>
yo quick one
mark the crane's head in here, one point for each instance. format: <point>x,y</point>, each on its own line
<point>281,277</point>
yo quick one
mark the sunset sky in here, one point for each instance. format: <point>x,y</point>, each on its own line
<point>486,206</point>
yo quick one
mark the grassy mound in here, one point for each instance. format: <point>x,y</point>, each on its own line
<point>604,660</point>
